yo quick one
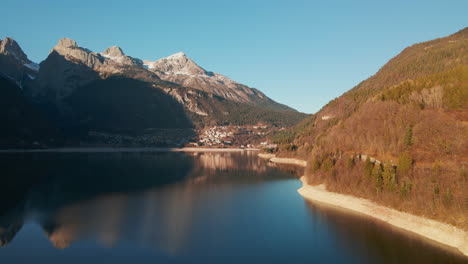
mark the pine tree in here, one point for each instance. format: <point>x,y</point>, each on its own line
<point>408,136</point>
<point>389,177</point>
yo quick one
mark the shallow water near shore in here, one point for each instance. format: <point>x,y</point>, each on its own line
<point>170,207</point>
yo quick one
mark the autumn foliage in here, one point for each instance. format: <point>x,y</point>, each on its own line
<point>399,138</point>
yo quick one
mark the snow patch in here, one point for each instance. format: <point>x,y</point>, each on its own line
<point>176,56</point>
<point>118,59</point>
<point>33,66</point>
<point>148,64</point>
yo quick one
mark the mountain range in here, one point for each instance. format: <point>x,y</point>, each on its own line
<point>80,92</point>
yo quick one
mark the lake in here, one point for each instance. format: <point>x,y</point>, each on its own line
<point>172,207</point>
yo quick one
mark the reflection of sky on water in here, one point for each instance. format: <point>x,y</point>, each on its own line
<point>160,217</point>
<point>197,207</point>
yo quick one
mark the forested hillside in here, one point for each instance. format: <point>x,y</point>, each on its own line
<point>399,137</point>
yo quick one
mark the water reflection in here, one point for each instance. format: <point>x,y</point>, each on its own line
<point>176,207</point>
<point>378,241</point>
<point>146,198</point>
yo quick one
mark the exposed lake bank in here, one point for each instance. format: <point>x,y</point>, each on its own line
<point>430,229</point>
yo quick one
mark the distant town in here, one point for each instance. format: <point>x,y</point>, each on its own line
<point>254,136</point>
<point>239,136</point>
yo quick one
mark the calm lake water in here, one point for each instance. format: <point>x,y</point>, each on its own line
<point>181,208</point>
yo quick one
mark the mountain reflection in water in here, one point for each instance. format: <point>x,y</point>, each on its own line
<point>143,197</point>
<point>180,208</point>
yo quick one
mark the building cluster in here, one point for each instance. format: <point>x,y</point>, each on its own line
<point>217,135</point>
<point>238,136</point>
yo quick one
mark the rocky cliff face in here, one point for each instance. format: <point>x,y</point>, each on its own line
<point>79,66</point>
<point>116,54</point>
<point>180,69</point>
<point>9,47</point>
<point>69,66</point>
<point>14,64</point>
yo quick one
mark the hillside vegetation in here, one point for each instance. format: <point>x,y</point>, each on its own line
<point>399,137</point>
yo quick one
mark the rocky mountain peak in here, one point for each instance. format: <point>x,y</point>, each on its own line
<point>177,55</point>
<point>114,51</point>
<point>68,48</point>
<point>66,43</point>
<point>116,54</point>
<point>9,46</point>
<point>177,63</point>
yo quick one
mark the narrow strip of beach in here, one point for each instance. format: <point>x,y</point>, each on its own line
<point>439,232</point>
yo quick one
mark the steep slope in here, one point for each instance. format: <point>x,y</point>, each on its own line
<point>133,107</point>
<point>116,54</point>
<point>23,122</point>
<point>14,64</point>
<point>114,97</point>
<point>220,104</point>
<point>180,69</point>
<point>69,66</point>
<point>410,122</point>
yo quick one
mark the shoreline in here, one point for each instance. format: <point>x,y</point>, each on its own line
<point>110,149</point>
<point>291,161</point>
<point>426,228</point>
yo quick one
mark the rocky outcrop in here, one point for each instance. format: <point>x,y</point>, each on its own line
<point>116,54</point>
<point>14,64</point>
<point>69,66</point>
<point>109,61</point>
<point>111,93</point>
<point>180,69</point>
<point>177,63</point>
<point>69,49</point>
<point>114,51</point>
<point>8,46</point>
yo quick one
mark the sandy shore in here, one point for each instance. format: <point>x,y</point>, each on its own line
<point>266,155</point>
<point>298,162</point>
<point>273,158</point>
<point>430,229</point>
<point>92,150</point>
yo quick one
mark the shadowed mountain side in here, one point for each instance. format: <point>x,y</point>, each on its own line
<point>59,76</point>
<point>180,69</point>
<point>128,99</point>
<point>108,98</point>
<point>207,109</point>
<point>14,63</point>
<point>122,105</point>
<point>24,122</point>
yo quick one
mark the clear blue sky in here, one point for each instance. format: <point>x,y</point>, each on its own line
<point>300,53</point>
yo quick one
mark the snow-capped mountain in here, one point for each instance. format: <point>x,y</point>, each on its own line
<point>180,69</point>
<point>116,54</point>
<point>68,58</point>
<point>177,63</point>
<point>81,91</point>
